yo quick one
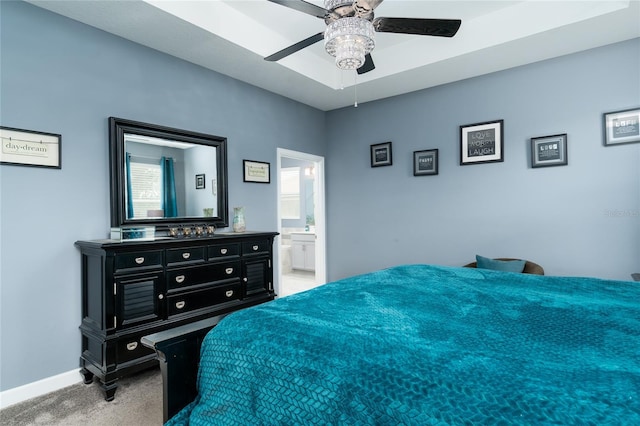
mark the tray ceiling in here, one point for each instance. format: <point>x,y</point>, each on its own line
<point>232,37</point>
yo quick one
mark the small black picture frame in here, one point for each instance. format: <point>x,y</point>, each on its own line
<point>621,127</point>
<point>425,162</point>
<point>256,171</point>
<point>549,151</point>
<point>381,154</point>
<point>200,182</point>
<point>482,142</point>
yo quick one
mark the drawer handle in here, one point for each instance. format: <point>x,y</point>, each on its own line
<point>180,304</point>
<point>223,251</point>
<point>186,255</point>
<point>229,271</point>
<point>180,279</point>
<point>255,248</point>
<point>139,260</point>
<point>229,293</point>
<point>131,346</point>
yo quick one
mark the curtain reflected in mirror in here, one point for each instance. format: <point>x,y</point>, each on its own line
<point>129,193</point>
<point>168,189</point>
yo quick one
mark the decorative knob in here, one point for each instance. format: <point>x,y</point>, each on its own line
<point>180,304</point>
<point>229,293</point>
<point>131,346</point>
<point>186,255</point>
<point>180,279</point>
<point>229,271</point>
<point>139,260</point>
<point>223,251</point>
<point>161,296</point>
<point>255,248</point>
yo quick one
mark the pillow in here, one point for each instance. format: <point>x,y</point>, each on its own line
<point>500,265</point>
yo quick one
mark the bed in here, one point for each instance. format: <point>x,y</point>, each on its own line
<point>427,345</point>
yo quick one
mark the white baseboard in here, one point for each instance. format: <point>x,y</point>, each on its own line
<point>41,387</point>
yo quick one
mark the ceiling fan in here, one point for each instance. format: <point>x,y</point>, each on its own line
<point>350,30</point>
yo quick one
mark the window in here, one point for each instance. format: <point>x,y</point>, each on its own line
<point>145,187</point>
<point>290,192</point>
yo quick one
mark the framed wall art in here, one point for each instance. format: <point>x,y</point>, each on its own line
<point>256,171</point>
<point>549,151</point>
<point>425,162</point>
<point>200,181</point>
<point>622,127</point>
<point>381,154</point>
<point>30,148</point>
<point>482,143</point>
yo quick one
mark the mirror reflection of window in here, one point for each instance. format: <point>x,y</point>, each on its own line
<point>157,172</point>
<point>290,192</point>
<point>145,187</point>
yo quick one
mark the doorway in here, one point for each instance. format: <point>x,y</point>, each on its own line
<point>301,222</point>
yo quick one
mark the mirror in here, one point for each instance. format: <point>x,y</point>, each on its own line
<point>164,176</point>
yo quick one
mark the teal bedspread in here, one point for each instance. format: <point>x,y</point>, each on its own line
<point>428,345</point>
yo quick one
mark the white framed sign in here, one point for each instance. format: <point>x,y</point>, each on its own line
<point>482,143</point>
<point>29,148</point>
<point>622,127</point>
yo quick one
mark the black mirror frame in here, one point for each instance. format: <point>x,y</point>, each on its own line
<point>117,129</point>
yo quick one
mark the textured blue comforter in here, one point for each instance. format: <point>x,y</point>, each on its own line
<point>428,345</point>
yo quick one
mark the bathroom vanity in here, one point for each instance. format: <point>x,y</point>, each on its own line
<point>303,251</point>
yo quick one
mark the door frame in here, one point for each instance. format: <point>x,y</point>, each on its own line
<point>319,212</point>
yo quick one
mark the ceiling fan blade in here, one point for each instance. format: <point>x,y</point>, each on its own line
<point>367,66</point>
<point>295,47</point>
<point>430,27</point>
<point>304,7</point>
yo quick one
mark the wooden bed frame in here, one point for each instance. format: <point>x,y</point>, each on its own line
<point>178,351</point>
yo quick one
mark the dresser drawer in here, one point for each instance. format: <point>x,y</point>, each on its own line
<point>186,302</point>
<point>197,275</point>
<point>255,246</point>
<point>219,251</point>
<point>185,255</point>
<point>138,260</point>
<point>130,348</point>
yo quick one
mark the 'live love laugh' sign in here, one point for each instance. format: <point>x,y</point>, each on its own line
<point>481,143</point>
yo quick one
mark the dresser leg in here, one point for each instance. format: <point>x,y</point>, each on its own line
<point>109,390</point>
<point>87,376</point>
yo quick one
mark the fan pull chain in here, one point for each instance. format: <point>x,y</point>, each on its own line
<point>355,90</point>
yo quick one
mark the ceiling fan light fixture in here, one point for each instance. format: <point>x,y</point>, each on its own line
<point>335,4</point>
<point>349,40</point>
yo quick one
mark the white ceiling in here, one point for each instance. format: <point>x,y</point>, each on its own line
<point>232,37</point>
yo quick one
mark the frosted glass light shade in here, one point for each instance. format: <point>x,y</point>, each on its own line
<point>349,40</point>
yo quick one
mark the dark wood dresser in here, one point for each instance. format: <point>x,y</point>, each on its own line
<point>136,288</point>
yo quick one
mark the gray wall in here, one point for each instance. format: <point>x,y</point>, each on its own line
<point>63,77</point>
<point>581,219</point>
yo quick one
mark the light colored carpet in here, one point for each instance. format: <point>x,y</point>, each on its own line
<point>138,402</point>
